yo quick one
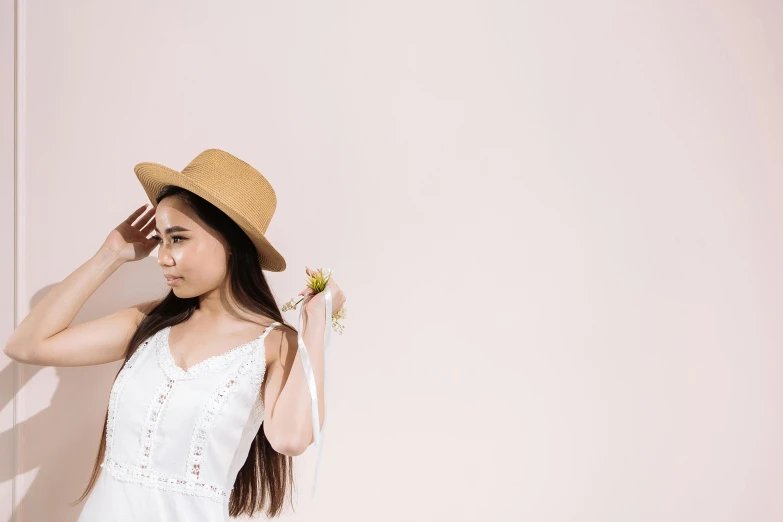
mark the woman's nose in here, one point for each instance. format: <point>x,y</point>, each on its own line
<point>164,259</point>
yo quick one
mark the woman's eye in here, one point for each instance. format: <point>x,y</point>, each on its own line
<point>173,238</point>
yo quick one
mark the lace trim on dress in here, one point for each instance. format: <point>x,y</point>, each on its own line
<point>258,408</point>
<point>256,378</point>
<point>167,482</point>
<point>116,391</point>
<point>211,364</point>
<point>255,365</point>
<point>151,421</point>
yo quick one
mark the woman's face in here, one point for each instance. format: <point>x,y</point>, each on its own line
<point>189,250</point>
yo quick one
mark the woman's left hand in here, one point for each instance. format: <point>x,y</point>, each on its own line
<point>317,304</point>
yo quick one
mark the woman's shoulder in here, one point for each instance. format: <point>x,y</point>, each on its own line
<point>264,322</point>
<point>279,342</point>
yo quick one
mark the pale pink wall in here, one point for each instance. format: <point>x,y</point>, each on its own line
<point>557,225</point>
<point>8,372</point>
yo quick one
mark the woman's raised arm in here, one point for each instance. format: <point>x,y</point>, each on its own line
<point>44,338</point>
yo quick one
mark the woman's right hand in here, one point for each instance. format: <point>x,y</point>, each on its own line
<point>129,241</point>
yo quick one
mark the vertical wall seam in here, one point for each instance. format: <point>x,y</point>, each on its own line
<point>19,54</point>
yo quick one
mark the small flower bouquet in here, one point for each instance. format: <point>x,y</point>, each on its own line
<point>317,283</point>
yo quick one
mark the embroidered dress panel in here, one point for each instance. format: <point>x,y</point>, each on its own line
<point>176,439</point>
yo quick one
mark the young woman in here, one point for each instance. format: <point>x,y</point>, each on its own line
<point>212,401</point>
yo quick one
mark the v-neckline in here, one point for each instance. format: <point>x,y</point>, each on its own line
<point>193,369</point>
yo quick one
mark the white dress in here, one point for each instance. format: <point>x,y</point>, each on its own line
<point>176,439</point>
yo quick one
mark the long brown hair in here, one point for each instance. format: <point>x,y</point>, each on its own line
<point>266,476</point>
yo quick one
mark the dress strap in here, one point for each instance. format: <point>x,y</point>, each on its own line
<point>268,329</point>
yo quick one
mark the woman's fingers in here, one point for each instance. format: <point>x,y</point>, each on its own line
<point>149,227</point>
<point>143,220</point>
<point>139,211</point>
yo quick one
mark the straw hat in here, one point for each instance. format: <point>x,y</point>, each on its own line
<point>230,184</point>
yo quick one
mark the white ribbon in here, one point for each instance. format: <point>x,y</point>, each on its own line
<point>318,435</point>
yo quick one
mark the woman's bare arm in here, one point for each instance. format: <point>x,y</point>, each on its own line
<point>288,422</point>
<point>288,419</point>
<point>44,338</point>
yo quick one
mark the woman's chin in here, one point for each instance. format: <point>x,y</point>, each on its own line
<point>180,292</point>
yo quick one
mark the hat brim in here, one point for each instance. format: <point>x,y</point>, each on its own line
<point>154,176</point>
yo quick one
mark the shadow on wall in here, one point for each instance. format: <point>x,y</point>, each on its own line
<point>58,444</point>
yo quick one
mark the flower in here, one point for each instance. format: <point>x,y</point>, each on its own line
<point>317,283</point>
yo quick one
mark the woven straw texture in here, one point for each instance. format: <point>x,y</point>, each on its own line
<point>230,184</point>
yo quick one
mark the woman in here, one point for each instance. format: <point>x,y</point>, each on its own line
<point>212,401</point>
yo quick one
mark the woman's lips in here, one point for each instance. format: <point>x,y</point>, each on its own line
<point>171,281</point>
